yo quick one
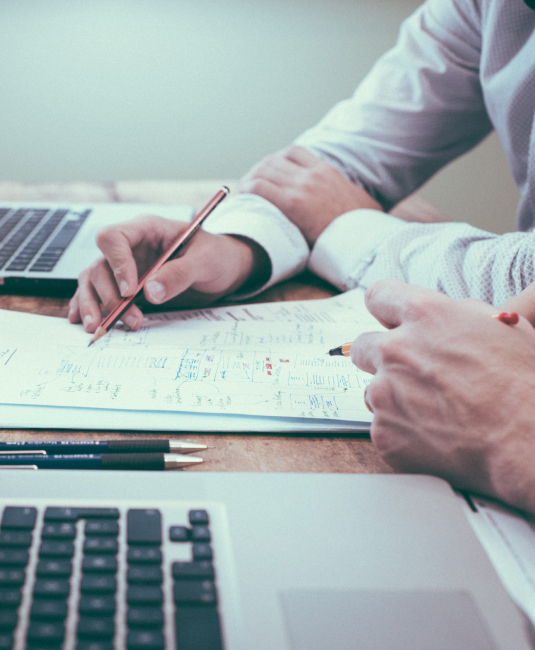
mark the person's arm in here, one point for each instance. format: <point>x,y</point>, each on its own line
<point>457,259</point>
<point>419,107</point>
<point>453,391</point>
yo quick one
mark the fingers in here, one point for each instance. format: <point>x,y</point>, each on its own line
<point>117,244</point>
<point>366,351</point>
<point>96,287</point>
<point>300,156</point>
<point>126,248</point>
<point>272,179</point>
<point>172,279</point>
<point>393,302</point>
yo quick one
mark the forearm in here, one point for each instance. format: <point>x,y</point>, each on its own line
<point>419,107</point>
<point>453,258</point>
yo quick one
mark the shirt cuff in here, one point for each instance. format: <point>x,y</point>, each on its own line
<point>347,247</point>
<point>251,216</point>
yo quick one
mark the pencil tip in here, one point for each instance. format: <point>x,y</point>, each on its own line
<point>97,335</point>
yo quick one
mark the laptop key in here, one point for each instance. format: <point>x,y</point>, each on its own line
<point>51,588</point>
<point>102,527</point>
<point>148,555</point>
<point>201,551</point>
<point>48,609</point>
<point>50,548</point>
<point>200,534</point>
<point>198,517</point>
<point>15,517</point>
<point>101,545</point>
<point>149,639</point>
<point>96,627</point>
<point>144,617</point>
<point>6,641</point>
<point>73,514</point>
<point>189,570</point>
<point>145,574</point>
<point>59,530</point>
<point>94,605</point>
<point>8,619</point>
<point>12,577</point>
<point>106,584</point>
<point>51,568</point>
<point>179,534</point>
<point>195,592</point>
<point>149,595</point>
<point>46,632</point>
<point>13,557</point>
<point>99,564</point>
<point>99,513</point>
<point>144,527</point>
<point>197,628</point>
<point>10,597</point>
<point>15,538</point>
<point>94,645</point>
<point>61,514</point>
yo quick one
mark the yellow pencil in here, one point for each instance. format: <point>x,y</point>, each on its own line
<point>342,350</point>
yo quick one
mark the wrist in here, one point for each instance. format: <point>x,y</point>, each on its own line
<point>512,467</point>
<point>254,265</point>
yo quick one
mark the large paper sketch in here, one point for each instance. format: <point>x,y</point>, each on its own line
<point>257,360</point>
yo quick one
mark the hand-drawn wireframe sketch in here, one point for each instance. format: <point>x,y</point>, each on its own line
<point>257,360</point>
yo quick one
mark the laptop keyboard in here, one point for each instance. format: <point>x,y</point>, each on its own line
<point>34,239</point>
<point>97,578</point>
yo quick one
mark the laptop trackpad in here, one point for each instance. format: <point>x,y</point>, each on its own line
<point>379,620</point>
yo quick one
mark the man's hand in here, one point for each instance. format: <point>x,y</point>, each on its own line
<point>211,266</point>
<point>310,192</point>
<point>453,391</point>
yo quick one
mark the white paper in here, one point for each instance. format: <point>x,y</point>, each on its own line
<point>252,360</point>
<point>508,538</point>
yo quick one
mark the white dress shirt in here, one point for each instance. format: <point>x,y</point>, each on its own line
<point>459,69</point>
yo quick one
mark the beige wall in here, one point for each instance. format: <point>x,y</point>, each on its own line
<point>144,89</point>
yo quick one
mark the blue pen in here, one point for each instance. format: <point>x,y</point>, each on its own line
<point>98,461</point>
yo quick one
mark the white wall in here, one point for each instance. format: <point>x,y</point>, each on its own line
<point>147,89</point>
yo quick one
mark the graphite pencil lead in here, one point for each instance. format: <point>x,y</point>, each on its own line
<point>100,332</point>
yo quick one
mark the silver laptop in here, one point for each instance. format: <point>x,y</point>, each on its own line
<point>236,561</point>
<point>44,246</point>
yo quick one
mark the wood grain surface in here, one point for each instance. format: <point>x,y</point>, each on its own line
<point>228,452</point>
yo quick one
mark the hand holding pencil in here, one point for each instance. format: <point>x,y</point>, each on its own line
<point>175,247</point>
<point>211,267</point>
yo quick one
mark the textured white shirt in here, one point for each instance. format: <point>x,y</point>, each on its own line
<point>459,69</point>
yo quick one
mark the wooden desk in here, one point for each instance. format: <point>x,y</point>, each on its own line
<point>253,453</point>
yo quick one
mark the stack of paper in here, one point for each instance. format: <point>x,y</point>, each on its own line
<point>258,367</point>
